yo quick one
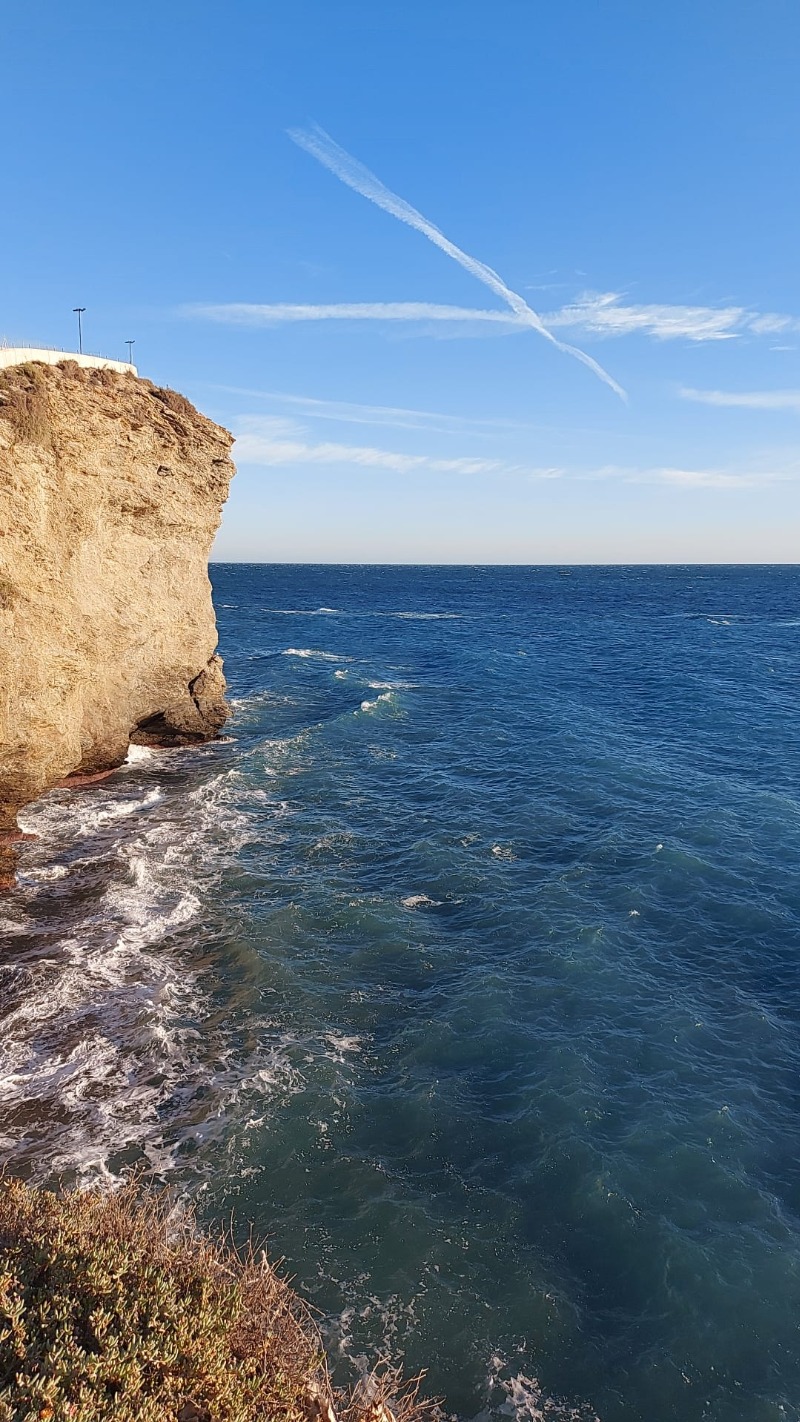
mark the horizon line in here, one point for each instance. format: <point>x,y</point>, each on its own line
<point>404,563</point>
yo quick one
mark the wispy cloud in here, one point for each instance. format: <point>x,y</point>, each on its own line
<point>773,324</point>
<point>745,399</point>
<point>607,314</point>
<point>722,479</point>
<point>348,169</point>
<point>244,313</point>
<point>703,478</point>
<point>268,441</point>
<point>385,416</point>
<point>604,314</point>
<point>272,441</point>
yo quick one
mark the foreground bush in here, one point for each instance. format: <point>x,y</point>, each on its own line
<point>109,1313</point>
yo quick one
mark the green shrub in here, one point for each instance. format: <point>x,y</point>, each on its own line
<point>110,1311</point>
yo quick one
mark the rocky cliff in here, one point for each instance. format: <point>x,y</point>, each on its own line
<point>110,494</point>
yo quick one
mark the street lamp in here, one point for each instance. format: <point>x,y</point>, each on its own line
<point>79,310</point>
<point>130,345</point>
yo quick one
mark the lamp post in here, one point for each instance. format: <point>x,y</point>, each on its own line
<point>79,310</point>
<point>130,345</point>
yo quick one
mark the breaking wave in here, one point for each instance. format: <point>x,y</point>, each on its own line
<point>106,1047</point>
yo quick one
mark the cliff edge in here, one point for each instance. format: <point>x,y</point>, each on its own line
<point>111,491</point>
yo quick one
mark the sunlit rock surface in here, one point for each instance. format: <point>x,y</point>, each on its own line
<point>111,491</point>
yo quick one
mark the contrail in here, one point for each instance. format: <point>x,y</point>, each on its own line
<point>348,169</point>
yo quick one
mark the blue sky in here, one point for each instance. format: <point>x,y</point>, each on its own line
<point>628,172</point>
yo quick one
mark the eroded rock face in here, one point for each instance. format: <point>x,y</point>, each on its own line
<point>110,495</point>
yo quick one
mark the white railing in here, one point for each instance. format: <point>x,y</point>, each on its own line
<point>51,355</point>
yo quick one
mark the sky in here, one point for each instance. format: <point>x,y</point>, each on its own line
<point>471,282</point>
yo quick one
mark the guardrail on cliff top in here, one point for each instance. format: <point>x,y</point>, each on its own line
<point>50,355</point>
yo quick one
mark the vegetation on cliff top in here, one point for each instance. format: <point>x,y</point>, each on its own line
<point>112,1309</point>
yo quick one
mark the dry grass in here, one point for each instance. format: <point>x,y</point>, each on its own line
<point>173,400</point>
<point>111,1310</point>
<point>23,403</point>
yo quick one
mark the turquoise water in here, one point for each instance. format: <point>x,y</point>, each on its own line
<point>466,969</point>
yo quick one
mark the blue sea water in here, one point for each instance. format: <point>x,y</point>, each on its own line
<point>467,969</point>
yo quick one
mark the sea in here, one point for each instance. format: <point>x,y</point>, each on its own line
<point>464,971</point>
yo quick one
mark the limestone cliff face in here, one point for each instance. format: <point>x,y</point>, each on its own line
<point>110,494</point>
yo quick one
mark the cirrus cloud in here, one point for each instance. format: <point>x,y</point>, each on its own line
<point>607,314</point>
<point>600,314</point>
<point>276,442</point>
<point>244,313</point>
<point>745,399</point>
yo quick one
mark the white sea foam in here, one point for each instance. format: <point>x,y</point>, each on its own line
<point>370,705</point>
<point>391,685</point>
<point>138,754</point>
<point>305,652</point>
<point>390,1319</point>
<point>428,616</point>
<point>503,851</point>
<point>119,809</point>
<point>46,873</point>
<point>341,1045</point>
<point>522,1397</point>
<point>103,1036</point>
<point>256,699</point>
